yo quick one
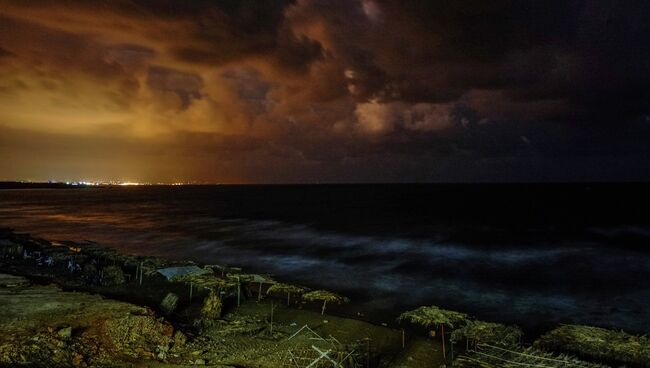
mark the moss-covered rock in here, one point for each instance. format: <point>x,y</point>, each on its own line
<point>169,303</point>
<point>211,306</point>
<point>487,332</point>
<point>598,344</point>
<point>112,275</point>
<point>43,326</point>
<point>179,339</point>
<point>89,270</point>
<point>138,334</point>
<point>210,311</point>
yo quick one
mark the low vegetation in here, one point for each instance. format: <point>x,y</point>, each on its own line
<point>475,332</point>
<point>598,344</point>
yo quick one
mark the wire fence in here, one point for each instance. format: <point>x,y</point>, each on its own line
<point>487,355</point>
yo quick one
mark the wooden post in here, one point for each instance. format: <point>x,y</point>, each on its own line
<point>451,344</point>
<point>238,292</point>
<point>442,336</point>
<point>368,355</point>
<point>288,298</point>
<point>403,339</point>
<point>141,264</point>
<point>191,287</point>
<point>259,293</point>
<point>271,316</point>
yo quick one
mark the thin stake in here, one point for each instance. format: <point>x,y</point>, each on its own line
<point>238,292</point>
<point>271,316</point>
<point>442,335</point>
<point>452,350</point>
<point>368,358</point>
<point>403,338</point>
<point>191,286</point>
<point>141,264</point>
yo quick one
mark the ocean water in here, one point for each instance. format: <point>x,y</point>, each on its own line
<point>535,255</point>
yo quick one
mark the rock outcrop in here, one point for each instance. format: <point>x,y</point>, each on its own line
<point>44,326</point>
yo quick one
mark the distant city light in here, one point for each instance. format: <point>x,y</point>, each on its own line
<point>100,183</point>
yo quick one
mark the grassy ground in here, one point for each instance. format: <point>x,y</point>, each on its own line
<point>383,343</point>
<point>419,352</point>
<point>260,348</point>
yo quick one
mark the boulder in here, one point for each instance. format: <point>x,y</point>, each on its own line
<point>65,332</point>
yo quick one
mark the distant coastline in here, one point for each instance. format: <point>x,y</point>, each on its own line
<point>35,185</point>
<point>86,184</point>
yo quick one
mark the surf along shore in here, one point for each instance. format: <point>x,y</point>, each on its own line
<point>79,304</point>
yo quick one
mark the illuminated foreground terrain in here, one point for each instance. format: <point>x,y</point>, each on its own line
<point>67,304</point>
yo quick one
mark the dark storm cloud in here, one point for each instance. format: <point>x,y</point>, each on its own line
<point>341,90</point>
<point>186,86</point>
<point>295,53</point>
<point>227,31</point>
<point>585,52</point>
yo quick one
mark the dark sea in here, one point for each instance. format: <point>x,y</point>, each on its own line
<point>534,255</point>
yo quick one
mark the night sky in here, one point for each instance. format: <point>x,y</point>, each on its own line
<point>244,91</point>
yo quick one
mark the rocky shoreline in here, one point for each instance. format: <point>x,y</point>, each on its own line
<point>80,304</point>
<point>69,304</point>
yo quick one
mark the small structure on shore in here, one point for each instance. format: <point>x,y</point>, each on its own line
<point>178,273</point>
<point>288,289</point>
<point>325,297</point>
<point>434,317</point>
<point>256,280</point>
